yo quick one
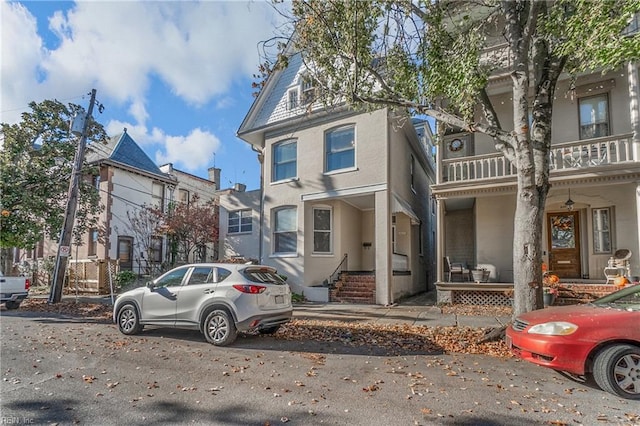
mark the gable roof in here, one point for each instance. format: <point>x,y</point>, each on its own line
<point>123,150</point>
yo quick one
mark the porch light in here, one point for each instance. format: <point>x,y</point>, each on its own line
<point>569,203</point>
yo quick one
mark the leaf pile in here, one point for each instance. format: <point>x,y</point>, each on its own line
<point>398,338</point>
<point>70,308</point>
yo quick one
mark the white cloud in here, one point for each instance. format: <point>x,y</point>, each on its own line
<point>189,152</point>
<point>198,49</point>
<point>128,50</point>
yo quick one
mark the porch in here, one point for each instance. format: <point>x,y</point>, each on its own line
<point>572,292</point>
<point>568,156</point>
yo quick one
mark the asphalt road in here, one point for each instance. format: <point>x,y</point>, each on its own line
<point>65,371</point>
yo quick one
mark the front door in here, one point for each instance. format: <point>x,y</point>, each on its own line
<point>125,253</point>
<point>564,244</point>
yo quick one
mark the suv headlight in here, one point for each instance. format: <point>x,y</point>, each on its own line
<point>554,328</point>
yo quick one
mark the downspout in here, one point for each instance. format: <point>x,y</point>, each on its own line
<point>260,153</point>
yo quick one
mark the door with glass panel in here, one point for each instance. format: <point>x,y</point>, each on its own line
<point>564,244</point>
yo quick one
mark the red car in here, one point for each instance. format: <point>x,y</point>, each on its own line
<point>600,338</point>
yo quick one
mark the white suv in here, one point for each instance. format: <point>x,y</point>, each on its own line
<point>219,299</point>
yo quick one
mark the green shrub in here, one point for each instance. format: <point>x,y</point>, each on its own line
<point>297,298</point>
<point>124,278</point>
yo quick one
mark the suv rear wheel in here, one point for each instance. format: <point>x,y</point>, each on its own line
<point>219,328</point>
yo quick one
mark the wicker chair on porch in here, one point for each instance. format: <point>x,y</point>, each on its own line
<point>455,269</point>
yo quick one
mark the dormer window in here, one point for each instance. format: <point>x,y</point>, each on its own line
<point>308,90</point>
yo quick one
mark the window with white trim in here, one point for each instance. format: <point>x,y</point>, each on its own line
<point>602,230</point>
<point>322,230</point>
<point>285,161</point>
<point>594,116</point>
<point>412,169</point>
<point>240,221</point>
<point>308,90</point>
<point>183,196</point>
<point>292,99</point>
<point>340,148</point>
<point>285,231</point>
<point>155,249</point>
<point>157,194</point>
<point>92,248</point>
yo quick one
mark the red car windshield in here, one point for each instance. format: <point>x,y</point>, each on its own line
<point>627,299</point>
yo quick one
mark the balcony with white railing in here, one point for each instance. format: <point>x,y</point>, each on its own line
<point>575,156</point>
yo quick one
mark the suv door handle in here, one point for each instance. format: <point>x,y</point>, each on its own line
<point>209,291</point>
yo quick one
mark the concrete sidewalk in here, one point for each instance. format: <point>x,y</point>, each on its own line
<point>417,310</point>
<point>430,316</point>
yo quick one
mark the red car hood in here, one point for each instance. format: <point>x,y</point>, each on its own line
<point>578,314</point>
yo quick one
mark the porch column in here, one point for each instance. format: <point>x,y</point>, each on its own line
<point>440,240</point>
<point>635,269</point>
<point>634,108</point>
<point>384,276</point>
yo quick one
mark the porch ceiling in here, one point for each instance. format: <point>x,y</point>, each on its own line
<point>361,202</point>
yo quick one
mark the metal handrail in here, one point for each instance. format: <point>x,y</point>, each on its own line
<point>334,276</point>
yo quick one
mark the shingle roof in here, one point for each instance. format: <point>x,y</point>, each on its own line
<point>124,150</point>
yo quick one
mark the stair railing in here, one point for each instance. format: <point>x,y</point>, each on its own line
<point>343,266</point>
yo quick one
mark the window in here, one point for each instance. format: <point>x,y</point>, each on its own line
<point>594,116</point>
<point>173,278</point>
<point>393,234</point>
<point>157,193</point>
<point>321,230</point>
<point>340,149</point>
<point>602,230</point>
<point>95,181</point>
<point>183,196</point>
<point>201,275</point>
<point>155,250</point>
<point>285,163</point>
<point>634,25</point>
<point>240,221</point>
<point>412,168</point>
<point>285,231</point>
<point>92,250</point>
<point>292,99</point>
<point>308,90</point>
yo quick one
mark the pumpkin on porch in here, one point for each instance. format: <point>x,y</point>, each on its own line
<point>551,279</point>
<point>620,281</point>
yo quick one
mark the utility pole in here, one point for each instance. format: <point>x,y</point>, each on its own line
<point>64,245</point>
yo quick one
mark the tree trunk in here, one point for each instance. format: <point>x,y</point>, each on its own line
<point>6,261</point>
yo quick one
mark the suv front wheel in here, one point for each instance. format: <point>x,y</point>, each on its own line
<point>219,328</point>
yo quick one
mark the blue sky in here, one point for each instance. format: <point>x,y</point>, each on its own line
<point>176,74</point>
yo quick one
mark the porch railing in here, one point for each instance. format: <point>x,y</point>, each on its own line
<point>577,155</point>
<point>343,266</point>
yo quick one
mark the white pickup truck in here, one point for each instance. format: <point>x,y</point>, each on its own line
<point>13,290</point>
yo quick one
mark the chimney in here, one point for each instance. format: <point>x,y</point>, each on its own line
<point>240,187</point>
<point>214,176</point>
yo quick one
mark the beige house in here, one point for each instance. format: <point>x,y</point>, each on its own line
<point>593,207</point>
<point>239,223</point>
<point>345,197</point>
